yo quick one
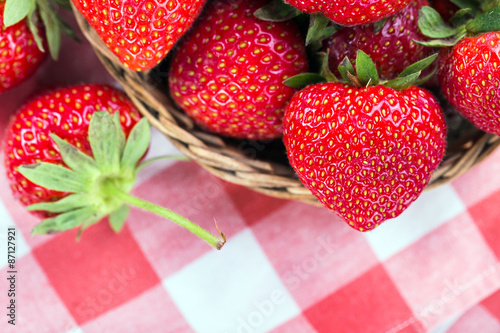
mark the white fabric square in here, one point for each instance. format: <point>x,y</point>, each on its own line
<point>424,215</point>
<point>235,290</point>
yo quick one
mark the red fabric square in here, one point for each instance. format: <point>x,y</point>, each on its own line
<point>370,303</point>
<point>93,275</point>
<point>253,206</point>
<point>153,310</point>
<point>312,250</point>
<point>192,192</point>
<point>492,303</point>
<point>38,307</point>
<point>486,215</point>
<point>446,271</point>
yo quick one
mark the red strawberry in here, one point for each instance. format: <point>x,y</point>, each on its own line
<point>140,33</point>
<point>365,153</point>
<point>67,157</point>
<point>351,12</point>
<point>392,48</point>
<point>445,8</point>
<point>469,76</point>
<point>228,73</point>
<point>66,113</point>
<point>19,54</point>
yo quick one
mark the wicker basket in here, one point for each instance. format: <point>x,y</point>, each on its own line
<point>226,159</point>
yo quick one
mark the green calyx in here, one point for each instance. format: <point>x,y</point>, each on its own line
<point>277,11</point>
<point>100,186</point>
<point>33,11</point>
<point>364,73</point>
<point>474,17</point>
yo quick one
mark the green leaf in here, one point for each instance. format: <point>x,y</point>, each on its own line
<point>317,25</point>
<point>33,26</point>
<point>432,25</point>
<point>461,17</point>
<point>54,177</point>
<point>63,3</point>
<point>137,144</point>
<point>419,65</point>
<point>118,217</point>
<point>277,11</point>
<point>103,140</point>
<point>16,10</point>
<point>487,22</point>
<point>404,82</point>
<point>299,81</point>
<point>65,204</point>
<point>422,80</point>
<point>66,29</point>
<point>65,221</point>
<point>52,28</point>
<point>119,132</point>
<point>325,68</point>
<point>443,42</point>
<point>366,69</point>
<point>76,159</point>
<point>346,67</point>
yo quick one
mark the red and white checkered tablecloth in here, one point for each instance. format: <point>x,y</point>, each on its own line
<point>287,267</point>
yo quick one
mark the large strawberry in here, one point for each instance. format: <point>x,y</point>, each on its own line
<point>468,68</point>
<point>140,33</point>
<point>469,75</point>
<point>19,54</point>
<point>391,46</point>
<point>365,152</point>
<point>228,72</point>
<point>72,162</point>
<point>351,12</point>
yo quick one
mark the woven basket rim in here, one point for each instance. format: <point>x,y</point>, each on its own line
<point>219,156</point>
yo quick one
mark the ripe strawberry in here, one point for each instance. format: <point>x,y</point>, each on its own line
<point>66,113</point>
<point>228,73</point>
<point>469,76</point>
<point>19,54</point>
<point>71,161</point>
<point>351,12</point>
<point>140,33</point>
<point>392,48</point>
<point>366,153</point>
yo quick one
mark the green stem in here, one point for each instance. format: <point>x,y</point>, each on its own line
<point>214,241</point>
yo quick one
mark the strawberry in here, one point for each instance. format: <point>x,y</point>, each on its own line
<point>73,156</point>
<point>228,72</point>
<point>140,33</point>
<point>391,47</point>
<point>65,113</point>
<point>469,76</point>
<point>445,8</point>
<point>351,12</point>
<point>19,54</point>
<point>366,151</point>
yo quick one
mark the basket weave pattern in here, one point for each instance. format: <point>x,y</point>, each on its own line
<point>224,158</point>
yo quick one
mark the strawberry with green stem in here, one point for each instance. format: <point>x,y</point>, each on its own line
<point>366,149</point>
<point>68,157</point>
<point>389,43</point>
<point>468,67</point>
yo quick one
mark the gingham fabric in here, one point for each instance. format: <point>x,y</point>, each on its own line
<point>287,267</point>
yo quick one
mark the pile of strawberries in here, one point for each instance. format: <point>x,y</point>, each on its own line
<point>346,85</point>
